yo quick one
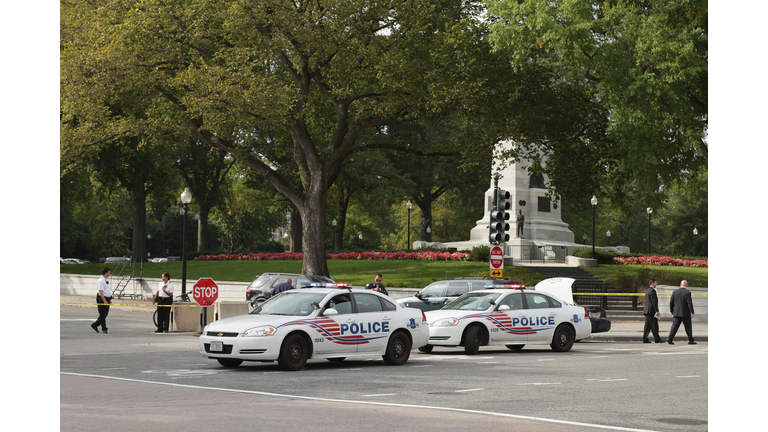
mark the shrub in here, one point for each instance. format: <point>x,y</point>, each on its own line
<point>602,256</point>
<point>480,253</point>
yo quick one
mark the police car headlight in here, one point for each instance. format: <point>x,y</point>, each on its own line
<point>445,322</point>
<point>260,331</point>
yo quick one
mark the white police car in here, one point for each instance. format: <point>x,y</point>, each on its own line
<point>328,323</point>
<point>513,317</point>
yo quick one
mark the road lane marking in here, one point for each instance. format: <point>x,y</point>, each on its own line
<point>378,395</point>
<point>358,402</point>
<point>538,384</point>
<point>469,390</point>
<point>689,376</point>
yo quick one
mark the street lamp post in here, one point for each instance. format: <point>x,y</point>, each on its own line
<point>594,206</point>
<point>695,233</point>
<point>360,236</point>
<point>649,210</point>
<point>409,206</point>
<point>149,237</point>
<point>334,233</point>
<point>186,198</point>
<point>608,234</point>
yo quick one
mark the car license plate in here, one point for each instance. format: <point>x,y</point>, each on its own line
<point>594,314</point>
<point>217,346</point>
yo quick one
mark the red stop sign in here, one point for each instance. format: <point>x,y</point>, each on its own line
<point>205,292</point>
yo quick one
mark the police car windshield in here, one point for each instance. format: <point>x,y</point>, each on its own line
<point>297,303</point>
<point>473,301</point>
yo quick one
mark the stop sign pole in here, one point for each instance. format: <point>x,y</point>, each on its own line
<point>205,293</point>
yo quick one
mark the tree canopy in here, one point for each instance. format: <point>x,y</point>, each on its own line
<point>647,61</point>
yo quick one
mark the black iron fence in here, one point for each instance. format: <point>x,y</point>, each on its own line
<point>543,254</point>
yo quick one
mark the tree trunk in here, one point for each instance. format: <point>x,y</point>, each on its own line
<point>202,227</point>
<point>296,243</point>
<point>314,233</point>
<point>139,246</point>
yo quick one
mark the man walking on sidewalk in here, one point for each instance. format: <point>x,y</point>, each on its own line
<point>651,312</point>
<point>681,306</point>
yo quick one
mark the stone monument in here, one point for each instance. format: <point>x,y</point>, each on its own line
<point>534,218</point>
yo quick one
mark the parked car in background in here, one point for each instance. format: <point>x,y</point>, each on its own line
<point>438,294</point>
<point>563,288</point>
<point>71,261</point>
<point>260,290</point>
<point>112,260</point>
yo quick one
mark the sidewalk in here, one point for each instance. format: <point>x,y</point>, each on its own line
<point>621,331</point>
<point>632,331</point>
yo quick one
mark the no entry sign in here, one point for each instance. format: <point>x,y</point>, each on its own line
<point>497,262</point>
<point>205,292</point>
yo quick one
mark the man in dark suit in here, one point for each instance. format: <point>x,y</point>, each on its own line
<point>285,286</point>
<point>681,306</point>
<point>651,312</point>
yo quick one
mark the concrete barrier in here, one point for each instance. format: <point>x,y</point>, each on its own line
<point>230,309</point>
<point>185,319</point>
<point>700,303</point>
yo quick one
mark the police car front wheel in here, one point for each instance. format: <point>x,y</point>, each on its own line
<point>293,353</point>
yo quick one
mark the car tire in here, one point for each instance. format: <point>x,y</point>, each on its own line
<point>563,338</point>
<point>336,359</point>
<point>230,363</point>
<point>426,349</point>
<point>398,349</point>
<point>473,339</point>
<point>293,353</point>
<point>515,348</point>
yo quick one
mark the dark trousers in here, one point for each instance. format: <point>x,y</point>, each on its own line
<point>164,312</point>
<point>651,325</point>
<point>676,325</point>
<point>103,312</point>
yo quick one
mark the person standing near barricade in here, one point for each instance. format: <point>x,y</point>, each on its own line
<point>103,300</point>
<point>681,306</point>
<point>652,313</point>
<point>164,300</point>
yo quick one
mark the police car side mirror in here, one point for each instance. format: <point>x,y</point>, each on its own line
<point>418,295</point>
<point>315,305</point>
<point>331,311</point>
<point>504,308</point>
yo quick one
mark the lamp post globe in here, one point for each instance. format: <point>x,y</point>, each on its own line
<point>649,210</point>
<point>695,233</point>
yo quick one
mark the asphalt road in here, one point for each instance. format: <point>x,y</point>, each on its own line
<point>133,379</point>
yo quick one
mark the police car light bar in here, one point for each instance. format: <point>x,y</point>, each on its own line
<point>506,286</point>
<point>328,285</point>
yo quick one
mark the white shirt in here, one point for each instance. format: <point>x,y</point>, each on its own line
<point>103,285</point>
<point>168,287</point>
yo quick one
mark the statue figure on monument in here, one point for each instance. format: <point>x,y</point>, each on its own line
<point>520,223</point>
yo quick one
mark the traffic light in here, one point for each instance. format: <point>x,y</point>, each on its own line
<point>499,217</point>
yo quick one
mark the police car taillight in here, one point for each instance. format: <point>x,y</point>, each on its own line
<point>586,314</point>
<point>423,318</point>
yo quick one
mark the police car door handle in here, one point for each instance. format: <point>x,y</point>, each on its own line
<point>350,320</point>
<point>387,317</point>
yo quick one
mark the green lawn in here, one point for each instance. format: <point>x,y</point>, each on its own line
<point>400,273</point>
<point>397,273</point>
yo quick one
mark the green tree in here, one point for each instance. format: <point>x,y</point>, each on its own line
<point>647,61</point>
<point>234,72</point>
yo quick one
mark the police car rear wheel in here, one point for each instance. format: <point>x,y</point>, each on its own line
<point>473,340</point>
<point>563,339</point>
<point>293,353</point>
<point>515,347</point>
<point>398,349</point>
<point>426,349</point>
<point>230,363</point>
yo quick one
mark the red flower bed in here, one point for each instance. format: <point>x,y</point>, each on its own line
<point>401,255</point>
<point>661,261</point>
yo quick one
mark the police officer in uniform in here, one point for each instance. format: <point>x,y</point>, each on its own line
<point>103,299</point>
<point>376,285</point>
<point>164,300</point>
